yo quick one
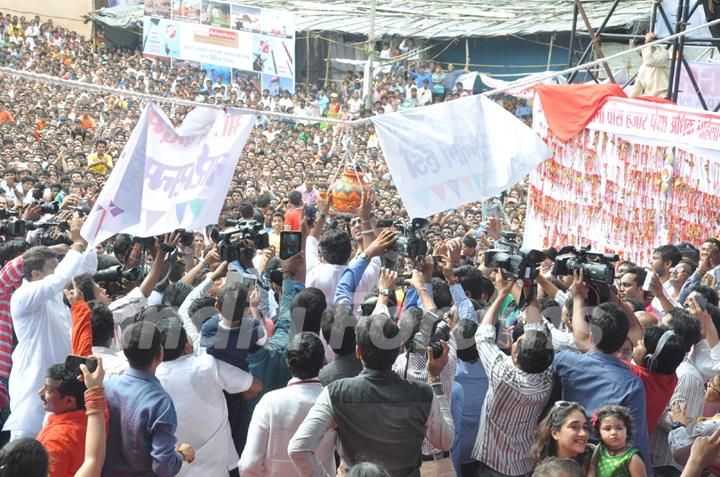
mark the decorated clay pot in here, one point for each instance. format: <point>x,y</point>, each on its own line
<point>347,190</point>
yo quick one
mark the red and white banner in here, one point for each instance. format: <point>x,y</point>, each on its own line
<point>640,175</point>
<point>707,78</point>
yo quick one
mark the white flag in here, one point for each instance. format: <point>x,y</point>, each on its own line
<point>166,179</point>
<point>456,152</point>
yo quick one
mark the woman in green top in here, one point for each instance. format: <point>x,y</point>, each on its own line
<point>614,457</point>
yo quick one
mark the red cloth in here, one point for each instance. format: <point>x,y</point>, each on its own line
<point>659,388</point>
<point>569,108</point>
<point>292,218</point>
<point>81,330</point>
<point>64,439</point>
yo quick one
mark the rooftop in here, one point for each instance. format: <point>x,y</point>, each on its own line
<point>454,18</point>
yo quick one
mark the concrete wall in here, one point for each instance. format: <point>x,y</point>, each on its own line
<point>66,13</point>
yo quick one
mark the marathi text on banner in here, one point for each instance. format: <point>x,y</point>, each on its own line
<point>456,152</point>
<point>622,187</point>
<point>167,179</point>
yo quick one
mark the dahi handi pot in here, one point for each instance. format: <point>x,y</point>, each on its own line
<point>346,192</point>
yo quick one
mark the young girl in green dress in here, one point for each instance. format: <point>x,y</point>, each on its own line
<point>614,457</point>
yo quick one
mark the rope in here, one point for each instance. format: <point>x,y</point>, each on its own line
<point>519,84</point>
<point>73,84</point>
<point>527,82</point>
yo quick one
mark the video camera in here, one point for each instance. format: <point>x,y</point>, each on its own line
<point>231,249</point>
<point>115,274</point>
<point>520,265</point>
<point>597,267</point>
<point>8,213</point>
<point>411,241</point>
<point>433,329</point>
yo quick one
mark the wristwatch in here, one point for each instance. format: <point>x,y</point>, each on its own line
<point>384,291</point>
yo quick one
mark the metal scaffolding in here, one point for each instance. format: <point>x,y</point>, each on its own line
<point>678,62</point>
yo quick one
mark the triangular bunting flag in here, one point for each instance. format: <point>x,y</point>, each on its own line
<point>422,196</point>
<point>439,190</point>
<point>180,210</point>
<point>454,187</point>
<point>466,182</point>
<point>196,206</point>
<point>152,217</point>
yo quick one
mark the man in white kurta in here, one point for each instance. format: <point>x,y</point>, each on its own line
<point>279,414</point>
<point>196,382</point>
<point>42,325</point>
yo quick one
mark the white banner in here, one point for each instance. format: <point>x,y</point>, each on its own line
<point>166,179</point>
<point>707,77</point>
<point>467,80</point>
<point>452,153</point>
<point>658,121</point>
<point>523,93</point>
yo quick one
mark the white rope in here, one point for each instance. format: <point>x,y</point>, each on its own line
<point>519,84</point>
<point>73,84</point>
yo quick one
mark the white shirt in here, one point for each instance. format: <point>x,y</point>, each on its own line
<point>326,276</point>
<point>114,363</point>
<point>276,418</point>
<point>424,96</point>
<point>42,324</point>
<point>196,385</point>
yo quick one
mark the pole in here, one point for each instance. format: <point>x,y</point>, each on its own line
<point>571,50</point>
<point>371,54</point>
<point>594,41</point>
<point>307,57</point>
<point>550,51</point>
<point>467,53</point>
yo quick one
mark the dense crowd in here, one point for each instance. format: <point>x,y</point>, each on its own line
<point>209,355</point>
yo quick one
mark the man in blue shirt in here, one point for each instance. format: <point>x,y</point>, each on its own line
<point>421,75</point>
<point>141,433</point>
<point>598,377</point>
<point>470,374</point>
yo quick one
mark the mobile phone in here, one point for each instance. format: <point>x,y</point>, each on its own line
<point>73,362</point>
<point>249,282</point>
<point>648,280</point>
<point>290,244</point>
<point>384,224</point>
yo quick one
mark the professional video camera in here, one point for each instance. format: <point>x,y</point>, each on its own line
<point>115,274</point>
<point>186,237</point>
<point>45,235</point>
<point>411,241</point>
<point>597,267</point>
<point>520,265</point>
<point>8,213</point>
<point>13,228</point>
<point>230,247</point>
<point>433,329</point>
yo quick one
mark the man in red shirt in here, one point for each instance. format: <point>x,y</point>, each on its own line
<point>63,436</point>
<point>293,217</point>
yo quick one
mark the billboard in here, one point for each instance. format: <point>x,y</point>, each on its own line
<point>249,42</point>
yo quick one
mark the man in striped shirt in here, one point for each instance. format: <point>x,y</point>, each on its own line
<point>518,389</point>
<point>11,277</point>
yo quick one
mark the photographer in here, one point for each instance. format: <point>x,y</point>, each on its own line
<point>519,387</point>
<point>412,365</point>
<point>41,322</point>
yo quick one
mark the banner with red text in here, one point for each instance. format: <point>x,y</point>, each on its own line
<point>640,175</point>
<point>168,178</point>
<point>707,78</point>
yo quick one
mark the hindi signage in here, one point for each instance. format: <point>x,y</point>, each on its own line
<point>167,179</point>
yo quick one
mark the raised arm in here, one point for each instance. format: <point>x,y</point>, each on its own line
<point>580,328</point>
<point>159,266</point>
<point>81,330</point>
<point>95,433</point>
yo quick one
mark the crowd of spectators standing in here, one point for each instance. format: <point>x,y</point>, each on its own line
<point>344,359</point>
